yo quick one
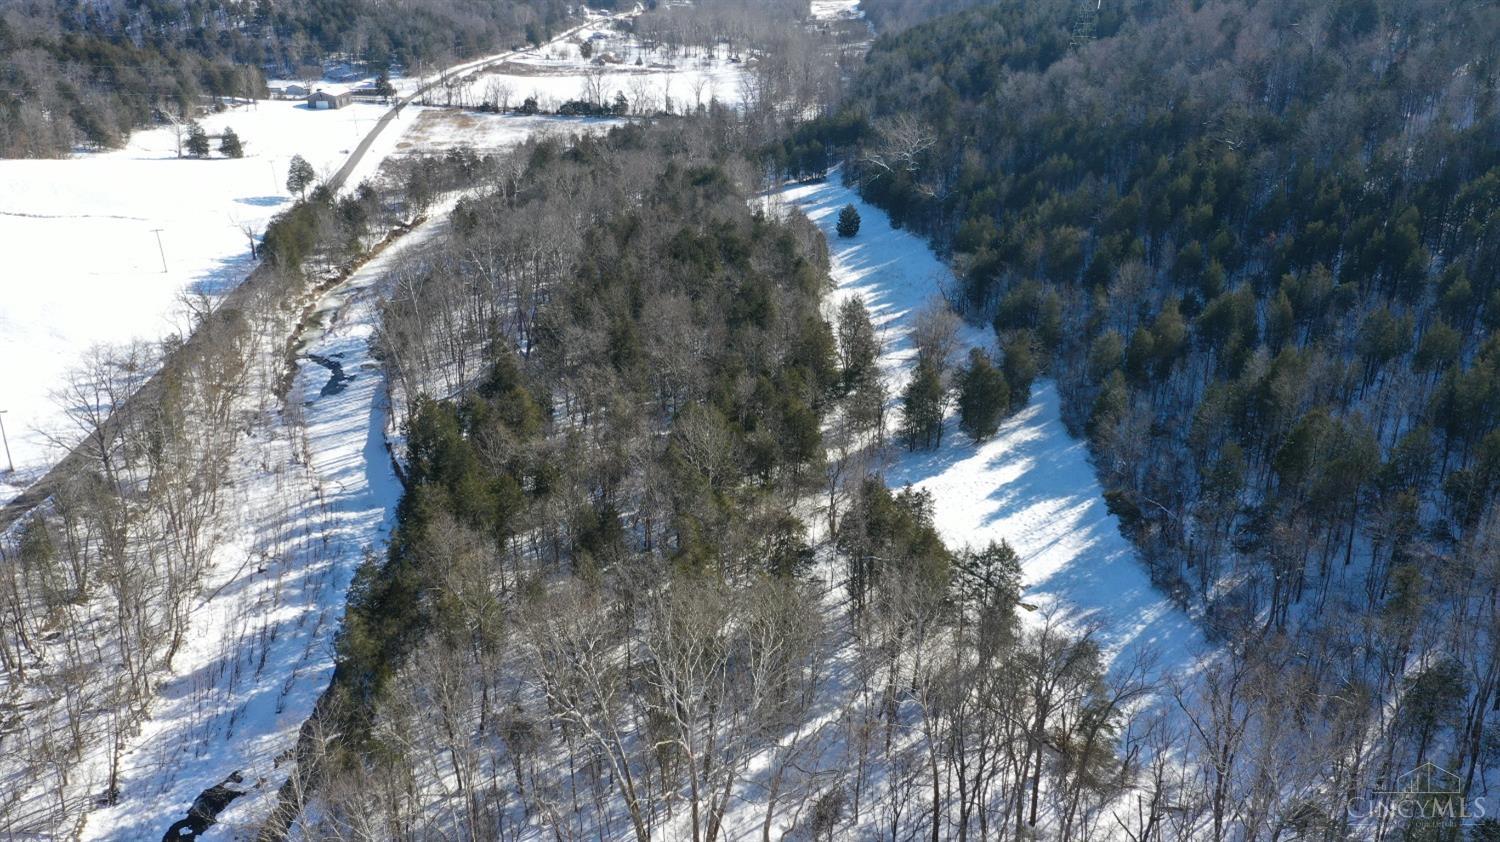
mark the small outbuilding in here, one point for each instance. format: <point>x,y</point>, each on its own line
<point>367,93</point>
<point>319,100</point>
<point>295,91</point>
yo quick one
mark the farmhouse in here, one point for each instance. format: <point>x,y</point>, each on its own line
<point>323,99</point>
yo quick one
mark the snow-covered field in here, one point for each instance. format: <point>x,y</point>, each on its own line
<point>1031,484</point>
<point>82,262</point>
<point>438,130</point>
<point>836,10</point>
<point>659,82</point>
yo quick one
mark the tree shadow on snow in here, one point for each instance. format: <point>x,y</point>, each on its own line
<point>1033,486</point>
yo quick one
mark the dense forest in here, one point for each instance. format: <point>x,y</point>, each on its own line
<point>1256,245</point>
<point>83,74</point>
<point>1297,256</point>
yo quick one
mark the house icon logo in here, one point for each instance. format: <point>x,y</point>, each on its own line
<point>1427,779</point>
<point>1428,794</point>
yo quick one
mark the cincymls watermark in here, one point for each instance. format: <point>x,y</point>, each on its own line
<point>1428,792</point>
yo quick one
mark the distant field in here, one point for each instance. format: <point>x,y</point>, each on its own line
<point>436,130</point>
<point>82,263</point>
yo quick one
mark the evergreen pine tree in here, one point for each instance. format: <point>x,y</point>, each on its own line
<point>383,86</point>
<point>922,407</point>
<point>197,141</point>
<point>229,144</point>
<point>991,577</point>
<point>1020,367</point>
<point>983,396</point>
<point>299,176</point>
<point>1109,406</point>
<point>848,224</point>
<point>858,345</point>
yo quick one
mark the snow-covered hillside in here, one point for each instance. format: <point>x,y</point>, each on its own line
<point>1030,485</point>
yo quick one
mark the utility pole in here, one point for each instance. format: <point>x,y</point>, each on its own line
<point>160,249</point>
<point>7,442</point>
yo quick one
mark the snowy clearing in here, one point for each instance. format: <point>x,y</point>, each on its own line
<point>650,80</point>
<point>438,130</point>
<point>1032,484</point>
<point>836,10</point>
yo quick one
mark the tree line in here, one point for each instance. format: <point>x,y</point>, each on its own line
<point>87,75</point>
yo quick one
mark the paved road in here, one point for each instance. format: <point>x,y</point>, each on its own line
<point>56,477</point>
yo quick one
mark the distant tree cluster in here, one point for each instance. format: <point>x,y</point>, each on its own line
<point>71,78</point>
<point>985,393</point>
<point>618,107</point>
<point>65,84</point>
